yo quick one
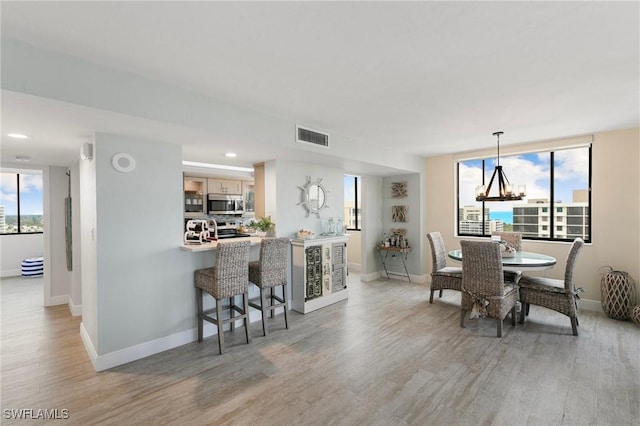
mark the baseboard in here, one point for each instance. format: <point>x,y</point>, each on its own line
<point>143,350</point>
<point>11,273</point>
<point>355,267</point>
<point>58,300</point>
<point>88,346</point>
<point>370,276</point>
<point>591,305</point>
<point>76,310</point>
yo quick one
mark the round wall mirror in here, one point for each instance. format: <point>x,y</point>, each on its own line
<point>314,197</point>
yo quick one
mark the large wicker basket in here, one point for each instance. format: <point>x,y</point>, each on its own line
<point>618,294</point>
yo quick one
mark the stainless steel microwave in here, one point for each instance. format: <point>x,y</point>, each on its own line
<point>224,204</point>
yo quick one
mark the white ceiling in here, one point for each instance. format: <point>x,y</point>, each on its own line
<point>423,77</point>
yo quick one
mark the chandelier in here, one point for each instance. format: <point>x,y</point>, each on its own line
<point>505,189</point>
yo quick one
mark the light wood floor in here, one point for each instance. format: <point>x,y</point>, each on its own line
<point>384,357</point>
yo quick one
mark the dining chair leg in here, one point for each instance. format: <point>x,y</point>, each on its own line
<point>499,327</point>
<point>245,302</point>
<point>200,320</point>
<point>462,315</point>
<point>220,324</point>
<point>574,325</point>
<point>513,315</point>
<point>431,297</point>
<point>523,308</point>
<point>440,294</point>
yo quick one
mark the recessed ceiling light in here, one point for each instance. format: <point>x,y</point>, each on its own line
<point>17,136</point>
<point>230,154</point>
<point>22,158</point>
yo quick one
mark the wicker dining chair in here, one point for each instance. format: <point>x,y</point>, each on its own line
<point>442,276</point>
<point>270,272</point>
<point>559,295</point>
<point>484,290</point>
<point>230,277</point>
<point>513,240</point>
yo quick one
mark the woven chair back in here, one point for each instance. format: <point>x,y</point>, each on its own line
<point>576,247</point>
<point>438,252</point>
<point>513,239</point>
<point>231,275</point>
<point>482,272</point>
<point>273,261</point>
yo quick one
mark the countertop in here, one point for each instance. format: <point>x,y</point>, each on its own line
<point>214,244</point>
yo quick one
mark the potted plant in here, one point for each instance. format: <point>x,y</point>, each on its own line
<point>264,225</point>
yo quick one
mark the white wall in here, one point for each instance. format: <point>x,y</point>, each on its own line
<point>75,290</point>
<point>615,210</point>
<point>59,275</point>
<point>16,248</point>
<point>372,226</point>
<point>413,226</point>
<point>290,176</point>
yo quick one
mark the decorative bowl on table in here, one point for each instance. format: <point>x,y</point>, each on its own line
<point>303,234</point>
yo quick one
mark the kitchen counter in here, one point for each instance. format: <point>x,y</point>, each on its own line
<point>214,244</point>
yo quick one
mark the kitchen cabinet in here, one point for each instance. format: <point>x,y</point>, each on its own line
<point>224,186</point>
<point>195,196</point>
<point>318,272</point>
<point>248,196</point>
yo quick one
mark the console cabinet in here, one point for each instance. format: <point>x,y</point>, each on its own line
<point>319,272</point>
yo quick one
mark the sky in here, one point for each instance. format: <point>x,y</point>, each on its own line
<point>533,170</point>
<point>30,194</point>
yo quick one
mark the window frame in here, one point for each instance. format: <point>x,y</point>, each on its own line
<point>18,213</point>
<point>356,189</point>
<point>551,211</point>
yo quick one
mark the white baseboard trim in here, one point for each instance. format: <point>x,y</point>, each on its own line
<point>370,276</point>
<point>76,310</point>
<point>88,346</point>
<point>58,300</point>
<point>356,267</point>
<point>143,350</point>
<point>591,305</point>
<point>11,273</point>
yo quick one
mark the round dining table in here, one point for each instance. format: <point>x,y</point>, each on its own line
<point>523,260</point>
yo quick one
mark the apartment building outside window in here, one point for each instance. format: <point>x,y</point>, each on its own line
<point>558,194</point>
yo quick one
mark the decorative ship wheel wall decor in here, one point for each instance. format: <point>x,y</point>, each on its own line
<point>314,196</point>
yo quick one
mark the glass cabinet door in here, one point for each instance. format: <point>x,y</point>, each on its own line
<point>248,195</point>
<point>194,193</point>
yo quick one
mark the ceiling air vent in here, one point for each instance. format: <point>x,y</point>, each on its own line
<point>312,136</point>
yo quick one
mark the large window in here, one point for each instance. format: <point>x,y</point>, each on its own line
<point>558,201</point>
<point>21,203</point>
<point>352,215</point>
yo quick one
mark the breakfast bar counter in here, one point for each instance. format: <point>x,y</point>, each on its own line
<point>214,244</point>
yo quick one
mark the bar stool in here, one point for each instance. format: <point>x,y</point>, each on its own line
<point>269,272</point>
<point>225,280</point>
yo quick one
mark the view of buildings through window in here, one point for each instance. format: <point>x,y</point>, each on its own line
<point>352,202</point>
<point>557,202</point>
<point>21,203</point>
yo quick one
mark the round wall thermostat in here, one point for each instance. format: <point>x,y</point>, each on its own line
<point>123,163</point>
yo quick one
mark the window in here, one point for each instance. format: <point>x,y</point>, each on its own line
<point>352,202</point>
<point>558,193</point>
<point>21,203</point>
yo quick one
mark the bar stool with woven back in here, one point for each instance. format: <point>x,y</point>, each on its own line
<point>229,278</point>
<point>269,272</point>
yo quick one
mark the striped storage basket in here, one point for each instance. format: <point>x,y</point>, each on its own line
<point>33,267</point>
